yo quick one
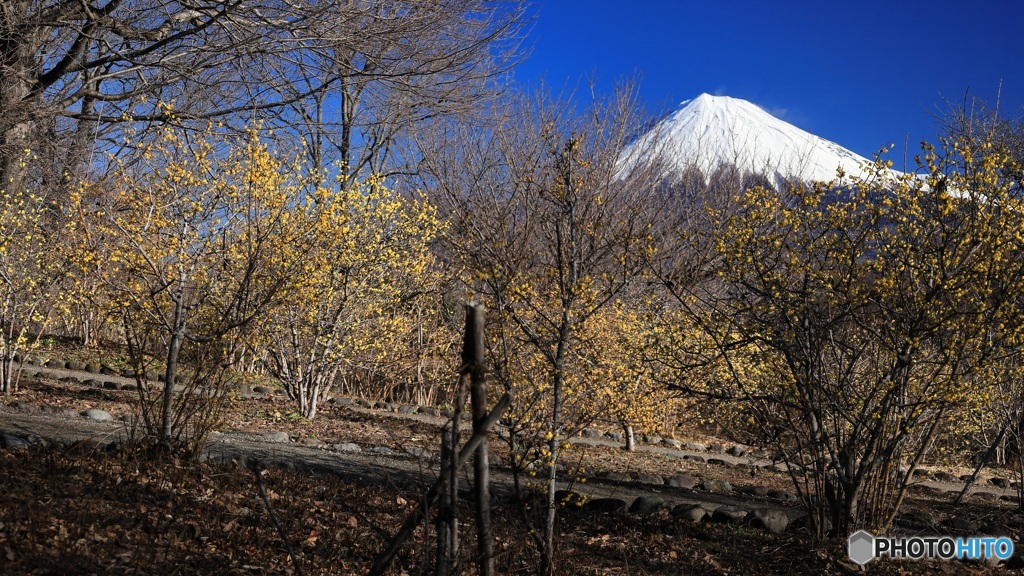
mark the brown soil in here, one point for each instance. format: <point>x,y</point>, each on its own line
<point>81,510</point>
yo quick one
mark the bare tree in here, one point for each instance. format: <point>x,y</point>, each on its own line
<point>351,74</point>
<point>550,229</point>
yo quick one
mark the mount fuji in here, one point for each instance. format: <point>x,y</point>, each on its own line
<point>711,131</point>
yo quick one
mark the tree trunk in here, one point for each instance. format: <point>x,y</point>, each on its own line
<point>170,374</point>
<point>473,356</point>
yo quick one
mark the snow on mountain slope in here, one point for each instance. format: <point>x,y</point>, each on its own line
<point>710,131</point>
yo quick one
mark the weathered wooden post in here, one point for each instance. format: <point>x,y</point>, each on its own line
<point>446,492</point>
<point>473,360</point>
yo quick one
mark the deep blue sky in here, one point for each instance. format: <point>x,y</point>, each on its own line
<point>863,74</point>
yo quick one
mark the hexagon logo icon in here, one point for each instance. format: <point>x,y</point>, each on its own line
<point>861,547</point>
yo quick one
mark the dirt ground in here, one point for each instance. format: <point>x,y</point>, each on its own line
<point>80,506</point>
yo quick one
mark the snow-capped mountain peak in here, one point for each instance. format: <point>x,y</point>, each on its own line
<point>710,131</point>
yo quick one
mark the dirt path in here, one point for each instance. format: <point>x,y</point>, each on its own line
<point>395,469</point>
<point>405,472</point>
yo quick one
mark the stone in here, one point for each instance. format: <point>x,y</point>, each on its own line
<point>347,447</point>
<point>98,415</point>
<point>716,448</point>
<point>719,462</point>
<point>129,386</point>
<point>430,411</point>
<point>617,477</point>
<point>108,371</point>
<point>110,385</point>
<point>783,496</point>
<point>753,490</point>
<point>921,473</point>
<point>408,409</point>
<point>691,512</point>
<point>645,478</point>
<point>92,382</point>
<point>718,486</point>
<point>729,515</point>
<point>310,441</point>
<point>738,451</point>
<point>55,364</point>
<point>278,437</point>
<point>647,505</point>
<point>672,443</point>
<point>419,452</point>
<point>591,433</point>
<point>693,458</point>
<point>569,498</point>
<point>652,439</point>
<point>11,442</point>
<point>22,407</point>
<point>76,366</point>
<point>342,401</point>
<point>363,403</point>
<point>986,496</point>
<point>774,521</point>
<point>684,481</point>
<point>382,451</point>
<point>616,436</point>
<point>942,476</point>
<point>999,482</point>
<point>696,446</point>
<point>965,477</point>
<point>604,505</point>
<point>262,390</point>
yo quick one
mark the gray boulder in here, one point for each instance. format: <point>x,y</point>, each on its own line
<point>645,478</point>
<point>783,496</point>
<point>419,452</point>
<point>11,442</point>
<point>684,481</point>
<point>278,437</point>
<point>729,515</point>
<point>774,521</point>
<point>569,498</point>
<point>647,505</point>
<point>695,446</point>
<point>738,451</point>
<point>604,505</point>
<point>98,415</point>
<point>672,443</point>
<point>348,447</point>
<point>718,486</point>
<point>753,490</point>
<point>691,512</point>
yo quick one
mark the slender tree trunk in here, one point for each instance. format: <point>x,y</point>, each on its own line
<point>630,438</point>
<point>473,356</point>
<point>170,374</point>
